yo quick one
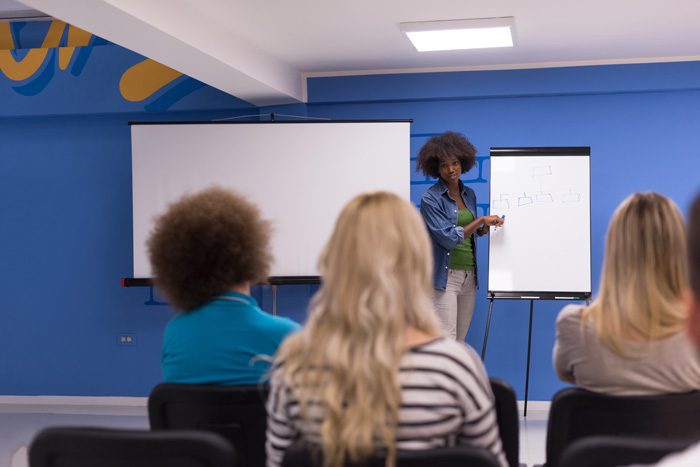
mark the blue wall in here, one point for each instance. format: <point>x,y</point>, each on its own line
<point>65,200</point>
<point>65,195</point>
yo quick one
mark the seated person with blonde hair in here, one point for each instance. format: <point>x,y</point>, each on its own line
<point>370,373</point>
<point>631,339</point>
<point>206,251</point>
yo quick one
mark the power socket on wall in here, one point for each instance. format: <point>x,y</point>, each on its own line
<point>126,338</point>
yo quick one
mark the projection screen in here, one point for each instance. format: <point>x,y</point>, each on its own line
<point>300,174</point>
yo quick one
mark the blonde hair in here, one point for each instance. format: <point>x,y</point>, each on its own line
<point>376,271</point>
<point>644,273</point>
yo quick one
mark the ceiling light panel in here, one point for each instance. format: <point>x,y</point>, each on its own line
<point>429,36</point>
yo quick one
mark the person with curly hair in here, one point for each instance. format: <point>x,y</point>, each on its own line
<point>370,374</point>
<point>206,251</point>
<point>449,212</point>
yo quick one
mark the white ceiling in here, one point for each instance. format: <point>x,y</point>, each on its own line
<point>12,9</point>
<point>261,50</point>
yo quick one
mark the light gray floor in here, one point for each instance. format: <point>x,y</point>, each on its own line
<point>17,430</point>
<point>533,434</point>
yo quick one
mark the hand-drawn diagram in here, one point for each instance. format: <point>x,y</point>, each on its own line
<point>571,197</point>
<point>539,171</point>
<point>501,203</point>
<point>524,200</point>
<point>542,196</point>
<point>540,176</point>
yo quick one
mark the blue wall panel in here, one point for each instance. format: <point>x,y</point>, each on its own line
<point>66,197</point>
<point>66,236</point>
<point>607,79</point>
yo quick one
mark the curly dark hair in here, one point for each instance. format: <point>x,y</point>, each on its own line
<point>440,147</point>
<point>694,246</point>
<point>206,243</point>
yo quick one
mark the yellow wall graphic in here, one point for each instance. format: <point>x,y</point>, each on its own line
<point>145,78</point>
<point>26,67</point>
<point>137,83</point>
<point>76,38</point>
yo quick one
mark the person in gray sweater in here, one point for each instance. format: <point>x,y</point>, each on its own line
<point>631,339</point>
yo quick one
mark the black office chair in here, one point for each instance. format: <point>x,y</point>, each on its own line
<point>577,413</point>
<point>507,415</point>
<point>235,412</point>
<point>98,447</point>
<point>609,451</point>
<point>304,455</point>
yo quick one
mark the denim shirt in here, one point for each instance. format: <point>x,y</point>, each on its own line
<point>440,215</point>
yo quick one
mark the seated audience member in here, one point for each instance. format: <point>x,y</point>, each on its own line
<point>631,339</point>
<point>370,373</point>
<point>691,457</point>
<point>206,251</point>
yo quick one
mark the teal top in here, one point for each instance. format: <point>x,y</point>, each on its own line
<point>228,341</point>
<point>462,256</point>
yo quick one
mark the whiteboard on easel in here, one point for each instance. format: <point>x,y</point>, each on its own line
<point>543,250</point>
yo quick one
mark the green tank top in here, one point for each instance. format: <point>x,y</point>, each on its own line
<point>462,256</point>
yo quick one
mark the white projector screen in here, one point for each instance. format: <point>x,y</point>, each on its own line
<point>300,174</point>
<point>544,247</point>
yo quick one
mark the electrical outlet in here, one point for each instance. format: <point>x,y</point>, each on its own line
<point>126,339</point>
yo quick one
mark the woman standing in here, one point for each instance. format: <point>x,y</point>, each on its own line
<point>449,212</point>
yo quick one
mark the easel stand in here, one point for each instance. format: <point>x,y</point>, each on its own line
<point>529,344</point>
<point>531,298</point>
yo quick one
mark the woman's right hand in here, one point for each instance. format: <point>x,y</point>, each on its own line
<point>492,220</point>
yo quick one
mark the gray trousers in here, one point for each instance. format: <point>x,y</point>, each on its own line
<point>455,305</point>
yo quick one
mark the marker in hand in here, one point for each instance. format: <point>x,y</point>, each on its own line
<point>495,227</point>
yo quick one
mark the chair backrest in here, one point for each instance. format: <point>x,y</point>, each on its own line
<point>235,412</point>
<point>577,413</point>
<point>609,451</point>
<point>98,447</point>
<point>507,415</point>
<point>303,455</point>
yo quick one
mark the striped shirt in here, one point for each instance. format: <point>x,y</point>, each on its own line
<point>446,400</point>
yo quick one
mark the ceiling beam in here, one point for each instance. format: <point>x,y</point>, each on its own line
<point>177,34</point>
